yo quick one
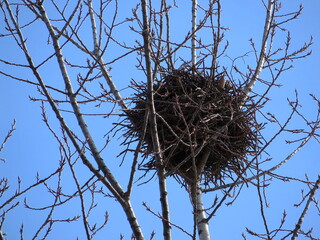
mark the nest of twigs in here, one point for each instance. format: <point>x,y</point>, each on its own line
<point>204,126</point>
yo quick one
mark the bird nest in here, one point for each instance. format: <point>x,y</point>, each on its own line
<point>204,126</point>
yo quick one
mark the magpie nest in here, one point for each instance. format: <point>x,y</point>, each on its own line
<point>204,125</point>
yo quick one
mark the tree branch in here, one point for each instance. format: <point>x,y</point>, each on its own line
<point>262,56</point>
<point>74,104</point>
<point>99,59</point>
<point>111,184</point>
<point>153,125</point>
<point>194,34</point>
<point>306,208</point>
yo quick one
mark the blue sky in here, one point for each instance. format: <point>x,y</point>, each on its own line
<point>32,149</point>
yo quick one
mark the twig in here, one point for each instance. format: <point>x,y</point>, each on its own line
<point>159,216</point>
<point>262,209</point>
<point>9,134</point>
<point>30,187</point>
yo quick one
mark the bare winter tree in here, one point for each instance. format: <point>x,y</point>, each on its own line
<point>185,114</point>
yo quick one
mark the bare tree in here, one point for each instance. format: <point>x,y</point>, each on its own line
<point>191,118</point>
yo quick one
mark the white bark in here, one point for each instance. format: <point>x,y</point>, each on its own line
<point>1,236</point>
<point>203,225</point>
<point>262,55</point>
<point>201,219</point>
<point>194,35</point>
<point>306,208</point>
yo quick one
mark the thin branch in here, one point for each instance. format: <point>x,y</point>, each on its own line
<point>216,36</point>
<point>262,209</point>
<point>30,187</point>
<point>136,154</point>
<point>99,59</point>
<point>48,219</point>
<point>82,200</point>
<point>93,28</point>
<point>159,216</point>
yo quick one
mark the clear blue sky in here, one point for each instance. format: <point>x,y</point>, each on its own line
<point>32,149</point>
